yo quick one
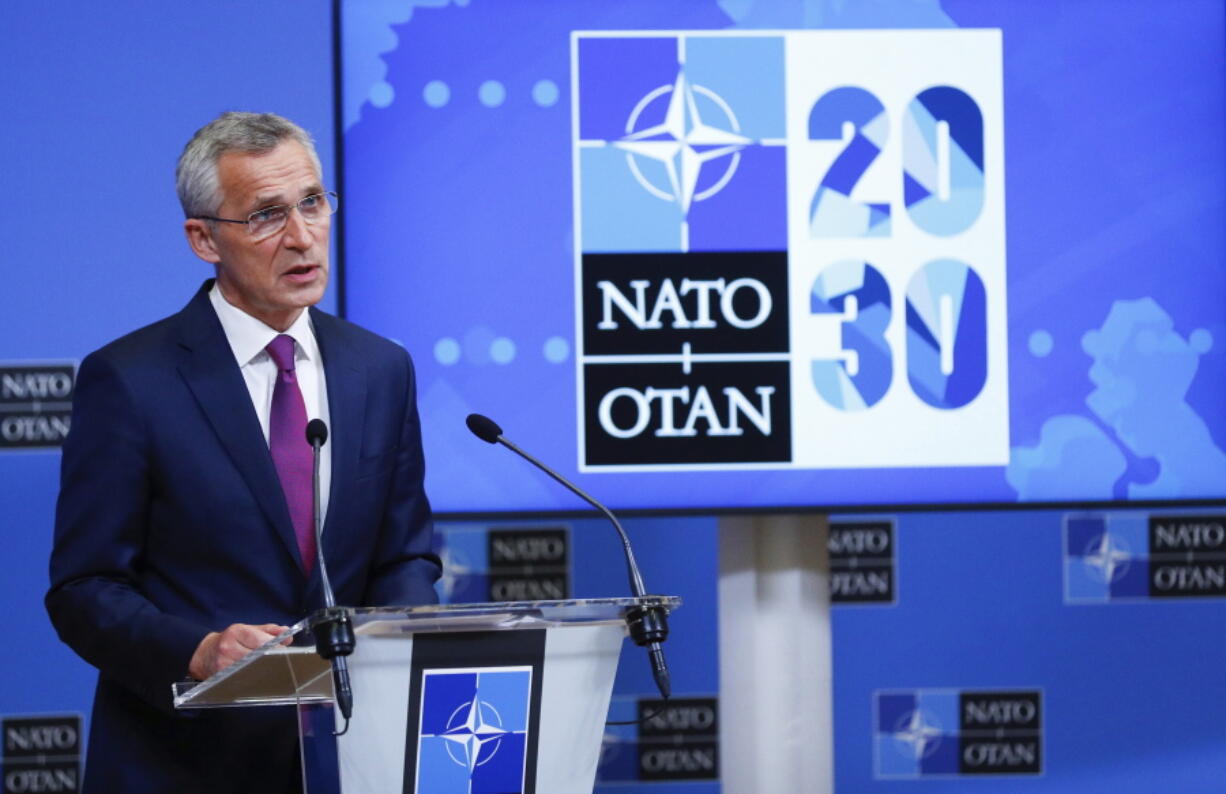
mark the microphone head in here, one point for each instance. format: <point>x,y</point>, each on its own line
<point>484,428</point>
<point>316,432</point>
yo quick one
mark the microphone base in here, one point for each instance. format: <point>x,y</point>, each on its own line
<point>342,689</point>
<point>647,625</point>
<point>334,640</point>
<point>659,671</point>
<point>333,630</point>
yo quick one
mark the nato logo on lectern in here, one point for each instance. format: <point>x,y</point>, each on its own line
<point>1128,557</point>
<point>473,736</point>
<point>924,733</point>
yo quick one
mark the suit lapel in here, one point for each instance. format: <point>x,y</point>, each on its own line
<point>214,378</point>
<point>347,415</point>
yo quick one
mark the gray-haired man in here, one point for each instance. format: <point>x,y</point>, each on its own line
<point>180,542</point>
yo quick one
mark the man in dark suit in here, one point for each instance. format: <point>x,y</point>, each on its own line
<point>182,537</point>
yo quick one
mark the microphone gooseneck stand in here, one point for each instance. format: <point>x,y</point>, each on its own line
<point>332,627</point>
<point>648,624</point>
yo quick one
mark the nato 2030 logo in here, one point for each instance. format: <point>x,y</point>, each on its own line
<point>924,733</point>
<point>1130,557</point>
<point>790,249</point>
<point>473,735</point>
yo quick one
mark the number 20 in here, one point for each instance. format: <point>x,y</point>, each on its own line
<point>943,168</point>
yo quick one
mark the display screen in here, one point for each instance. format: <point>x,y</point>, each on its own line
<point>748,254</point>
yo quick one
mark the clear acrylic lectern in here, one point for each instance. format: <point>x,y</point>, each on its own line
<point>469,697</point>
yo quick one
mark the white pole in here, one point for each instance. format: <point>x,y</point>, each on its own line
<point>776,726</point>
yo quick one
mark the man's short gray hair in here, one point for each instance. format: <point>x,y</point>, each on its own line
<point>196,175</point>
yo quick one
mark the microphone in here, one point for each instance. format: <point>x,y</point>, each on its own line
<point>316,435</point>
<point>648,624</point>
<point>332,627</point>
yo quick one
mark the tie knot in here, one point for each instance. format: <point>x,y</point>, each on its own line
<point>282,351</point>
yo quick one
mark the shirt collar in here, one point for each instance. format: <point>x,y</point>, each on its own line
<point>248,336</point>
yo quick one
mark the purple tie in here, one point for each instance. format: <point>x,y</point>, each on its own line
<point>291,453</point>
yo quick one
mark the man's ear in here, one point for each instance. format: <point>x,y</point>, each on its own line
<point>200,238</point>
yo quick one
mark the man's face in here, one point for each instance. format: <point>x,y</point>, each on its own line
<point>272,279</point>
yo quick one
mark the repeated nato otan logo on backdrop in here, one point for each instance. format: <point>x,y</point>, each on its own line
<point>1129,557</point>
<point>674,741</point>
<point>509,564</point>
<point>790,248</point>
<point>35,404</point>
<point>42,752</point>
<point>862,562</point>
<point>924,733</point>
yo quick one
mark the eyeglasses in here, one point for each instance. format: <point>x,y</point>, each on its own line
<point>266,222</point>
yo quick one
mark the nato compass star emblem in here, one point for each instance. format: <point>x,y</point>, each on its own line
<point>455,570</point>
<point>685,142</point>
<point>473,734</point>
<point>918,734</point>
<point>1107,557</point>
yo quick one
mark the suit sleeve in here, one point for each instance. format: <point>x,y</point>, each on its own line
<point>100,531</point>
<point>405,566</point>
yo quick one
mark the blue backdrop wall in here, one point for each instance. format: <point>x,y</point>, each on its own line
<point>98,101</point>
<point>1085,613</point>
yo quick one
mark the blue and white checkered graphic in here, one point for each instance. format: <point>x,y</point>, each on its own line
<point>465,553</point>
<point>925,733</point>
<point>473,733</point>
<point>678,151</point>
<point>916,733</point>
<point>1106,558</point>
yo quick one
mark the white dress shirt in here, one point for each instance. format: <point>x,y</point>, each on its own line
<point>248,338</point>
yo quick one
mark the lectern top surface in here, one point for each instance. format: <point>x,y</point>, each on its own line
<point>276,673</point>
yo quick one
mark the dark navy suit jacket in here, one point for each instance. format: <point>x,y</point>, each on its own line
<point>171,523</point>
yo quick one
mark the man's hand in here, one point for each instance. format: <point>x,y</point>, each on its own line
<point>219,650</point>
